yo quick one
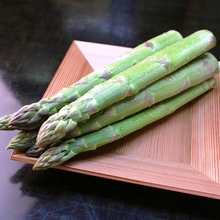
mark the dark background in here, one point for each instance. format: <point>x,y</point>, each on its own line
<point>34,37</point>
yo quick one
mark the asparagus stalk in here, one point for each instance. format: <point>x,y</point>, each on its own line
<point>57,155</point>
<point>127,83</point>
<point>31,116</point>
<point>195,72</point>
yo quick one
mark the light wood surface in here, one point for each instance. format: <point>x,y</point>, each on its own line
<point>180,152</point>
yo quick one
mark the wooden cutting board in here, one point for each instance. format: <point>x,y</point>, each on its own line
<point>180,152</point>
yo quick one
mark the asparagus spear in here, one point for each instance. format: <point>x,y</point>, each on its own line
<point>31,116</point>
<point>195,72</point>
<point>127,83</point>
<point>57,155</point>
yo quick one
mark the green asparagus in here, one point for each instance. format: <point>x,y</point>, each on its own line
<point>195,72</point>
<point>127,83</point>
<point>31,116</point>
<point>57,155</point>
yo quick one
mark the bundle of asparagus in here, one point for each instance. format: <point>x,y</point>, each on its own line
<point>129,98</point>
<point>193,73</point>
